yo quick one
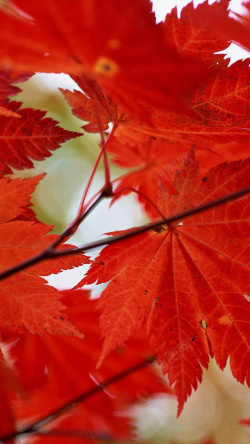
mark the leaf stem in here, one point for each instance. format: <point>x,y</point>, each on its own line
<point>116,193</point>
<point>80,209</point>
<point>105,157</point>
<point>108,184</point>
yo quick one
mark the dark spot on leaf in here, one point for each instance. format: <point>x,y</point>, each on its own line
<point>119,349</point>
<point>159,229</point>
<point>106,67</point>
<point>99,262</point>
<point>204,178</point>
<point>74,57</point>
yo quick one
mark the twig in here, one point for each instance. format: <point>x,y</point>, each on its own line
<point>167,220</point>
<point>34,426</point>
<point>50,252</point>
<point>75,433</point>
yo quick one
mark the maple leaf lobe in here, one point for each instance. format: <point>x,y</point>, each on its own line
<point>192,268</point>
<point>34,137</point>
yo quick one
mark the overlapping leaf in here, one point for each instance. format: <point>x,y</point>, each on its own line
<point>155,162</point>
<point>7,422</point>
<point>224,23</point>
<point>32,137</point>
<point>7,89</point>
<point>222,105</point>
<point>7,78</point>
<point>219,130</point>
<point>195,39</point>
<point>149,70</point>
<point>219,108</point>
<point>70,370</point>
<point>93,106</point>
<point>186,281</point>
<point>26,301</point>
<point>15,196</point>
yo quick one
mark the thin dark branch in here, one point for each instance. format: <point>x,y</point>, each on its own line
<point>50,252</point>
<point>33,427</point>
<point>77,221</point>
<point>100,436</point>
<point>75,433</point>
<point>167,220</point>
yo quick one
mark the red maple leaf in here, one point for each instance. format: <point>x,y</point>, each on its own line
<point>186,280</point>
<point>54,369</point>
<point>221,126</point>
<point>7,89</point>
<point>26,302</point>
<point>7,385</point>
<point>221,106</point>
<point>220,112</point>
<point>7,78</point>
<point>224,23</point>
<point>33,136</point>
<point>15,197</point>
<point>155,162</point>
<point>93,106</point>
<point>124,69</point>
<point>194,39</point>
